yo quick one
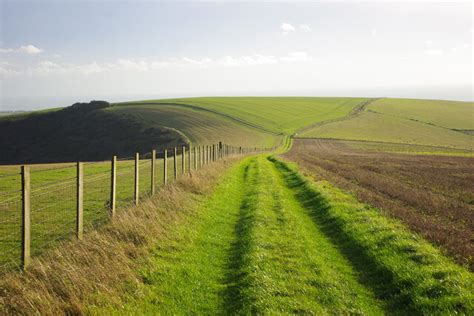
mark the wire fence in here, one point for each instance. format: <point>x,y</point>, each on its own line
<point>43,204</point>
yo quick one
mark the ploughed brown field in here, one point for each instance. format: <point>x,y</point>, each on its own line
<point>431,194</point>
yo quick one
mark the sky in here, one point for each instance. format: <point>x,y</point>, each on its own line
<point>54,53</point>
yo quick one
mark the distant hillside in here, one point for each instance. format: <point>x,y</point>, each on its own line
<point>199,126</point>
<point>405,121</point>
<point>273,114</point>
<point>82,132</point>
<point>95,131</point>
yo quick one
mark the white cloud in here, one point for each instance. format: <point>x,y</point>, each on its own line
<point>48,67</point>
<point>305,27</point>
<point>6,50</point>
<point>196,62</point>
<point>91,68</point>
<point>30,49</point>
<point>130,64</point>
<point>156,65</point>
<point>7,69</point>
<point>254,60</point>
<point>286,28</point>
<point>433,52</point>
<point>27,49</point>
<point>296,57</point>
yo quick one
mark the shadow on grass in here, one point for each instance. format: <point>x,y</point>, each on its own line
<point>370,273</point>
<point>235,296</point>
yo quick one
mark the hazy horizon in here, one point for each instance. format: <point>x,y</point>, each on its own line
<point>45,102</point>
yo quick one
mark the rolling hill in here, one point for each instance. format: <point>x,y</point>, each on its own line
<point>197,127</point>
<point>274,114</point>
<point>421,122</point>
<point>124,128</point>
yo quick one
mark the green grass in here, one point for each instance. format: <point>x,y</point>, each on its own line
<point>188,269</point>
<point>406,121</point>
<point>198,126</point>
<point>448,114</point>
<point>268,241</point>
<point>53,201</point>
<point>407,272</point>
<point>371,126</point>
<point>275,114</point>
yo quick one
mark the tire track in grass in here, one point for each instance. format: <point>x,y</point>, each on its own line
<point>237,277</point>
<point>403,270</point>
<point>288,266</point>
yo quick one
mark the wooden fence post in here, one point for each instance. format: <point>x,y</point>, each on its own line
<point>165,166</point>
<point>183,159</point>
<point>189,160</point>
<point>195,158</point>
<point>200,151</point>
<point>153,160</point>
<point>175,164</point>
<point>200,156</point>
<point>113,186</point>
<point>80,201</point>
<point>25,219</point>
<point>137,173</point>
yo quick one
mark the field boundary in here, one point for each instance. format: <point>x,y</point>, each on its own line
<point>381,142</point>
<point>356,111</point>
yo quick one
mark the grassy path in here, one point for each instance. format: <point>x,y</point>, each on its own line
<point>266,243</point>
<point>287,264</point>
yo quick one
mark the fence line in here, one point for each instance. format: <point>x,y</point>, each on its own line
<point>60,202</point>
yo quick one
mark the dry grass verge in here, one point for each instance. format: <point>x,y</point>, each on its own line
<point>80,273</point>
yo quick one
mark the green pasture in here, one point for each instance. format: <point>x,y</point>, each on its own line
<point>53,199</point>
<point>371,126</point>
<point>199,127</point>
<point>276,114</point>
<point>448,114</point>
